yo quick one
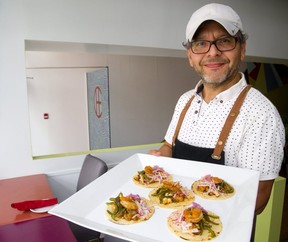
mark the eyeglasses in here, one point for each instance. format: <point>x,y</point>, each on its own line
<point>222,44</point>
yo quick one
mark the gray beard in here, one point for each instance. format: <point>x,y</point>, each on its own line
<point>226,78</point>
<point>212,82</point>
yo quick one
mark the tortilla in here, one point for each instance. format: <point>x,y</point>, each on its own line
<point>190,225</point>
<point>171,195</point>
<point>129,209</point>
<point>213,188</point>
<point>151,177</point>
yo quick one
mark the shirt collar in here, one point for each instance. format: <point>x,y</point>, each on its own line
<point>227,94</point>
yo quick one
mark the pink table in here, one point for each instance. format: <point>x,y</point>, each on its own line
<point>18,225</point>
<point>19,189</point>
<point>45,229</point>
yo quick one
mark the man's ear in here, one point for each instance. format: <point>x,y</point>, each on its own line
<point>188,53</point>
<point>243,51</point>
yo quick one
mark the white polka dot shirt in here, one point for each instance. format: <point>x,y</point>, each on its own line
<point>256,139</point>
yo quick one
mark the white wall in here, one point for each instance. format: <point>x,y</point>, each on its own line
<point>143,91</point>
<point>150,23</point>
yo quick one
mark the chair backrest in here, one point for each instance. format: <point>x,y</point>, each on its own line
<point>92,168</point>
<point>268,225</point>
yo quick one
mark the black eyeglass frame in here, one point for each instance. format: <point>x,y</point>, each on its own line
<point>214,42</point>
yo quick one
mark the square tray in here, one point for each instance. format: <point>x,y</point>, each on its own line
<point>87,207</point>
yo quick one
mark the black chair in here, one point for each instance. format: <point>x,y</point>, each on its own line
<point>92,168</point>
<point>109,238</point>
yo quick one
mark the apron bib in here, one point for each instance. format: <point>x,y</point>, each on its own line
<point>188,152</point>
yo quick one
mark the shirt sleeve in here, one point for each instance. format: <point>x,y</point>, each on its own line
<point>263,143</point>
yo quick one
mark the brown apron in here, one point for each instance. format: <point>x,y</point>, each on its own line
<point>216,155</point>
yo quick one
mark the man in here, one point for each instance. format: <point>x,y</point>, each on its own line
<point>215,46</point>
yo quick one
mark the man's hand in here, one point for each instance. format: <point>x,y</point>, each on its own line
<point>155,152</point>
<point>165,150</point>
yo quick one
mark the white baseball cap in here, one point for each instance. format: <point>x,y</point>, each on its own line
<point>220,13</point>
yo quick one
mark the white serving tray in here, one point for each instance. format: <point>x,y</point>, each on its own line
<point>87,207</point>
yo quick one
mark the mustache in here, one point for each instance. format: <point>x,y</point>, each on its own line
<point>215,60</point>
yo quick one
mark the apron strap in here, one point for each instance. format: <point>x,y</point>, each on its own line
<point>180,120</point>
<point>229,123</point>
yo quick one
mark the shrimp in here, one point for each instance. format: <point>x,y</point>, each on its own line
<point>217,180</point>
<point>173,186</point>
<point>128,203</point>
<point>148,170</point>
<point>193,215</point>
